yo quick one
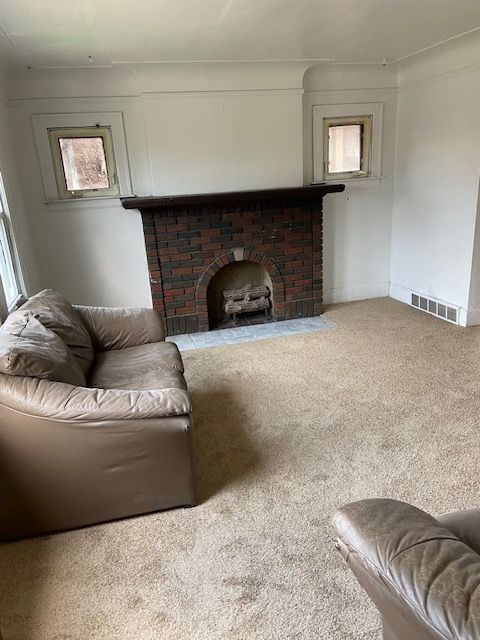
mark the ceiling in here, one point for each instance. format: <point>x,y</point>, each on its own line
<point>62,33</point>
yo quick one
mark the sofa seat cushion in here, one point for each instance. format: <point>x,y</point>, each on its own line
<point>58,315</point>
<point>27,348</point>
<point>149,366</point>
<point>465,525</point>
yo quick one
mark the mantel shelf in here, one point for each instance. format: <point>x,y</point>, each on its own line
<point>291,194</point>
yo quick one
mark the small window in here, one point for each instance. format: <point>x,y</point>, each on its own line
<point>84,162</point>
<point>347,147</point>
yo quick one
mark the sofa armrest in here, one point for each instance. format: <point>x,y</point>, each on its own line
<point>418,573</point>
<point>39,397</point>
<point>117,328</point>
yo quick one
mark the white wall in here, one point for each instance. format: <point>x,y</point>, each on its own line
<point>201,128</point>
<point>221,142</point>
<point>218,127</point>
<point>91,251</point>
<point>437,176</point>
<point>357,223</point>
<point>189,128</point>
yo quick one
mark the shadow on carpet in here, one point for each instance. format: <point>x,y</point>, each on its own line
<point>223,450</point>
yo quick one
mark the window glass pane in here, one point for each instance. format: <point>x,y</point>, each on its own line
<point>7,272</point>
<point>345,148</point>
<point>84,163</point>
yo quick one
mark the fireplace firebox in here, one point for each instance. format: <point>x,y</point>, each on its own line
<point>199,245</point>
<point>239,290</point>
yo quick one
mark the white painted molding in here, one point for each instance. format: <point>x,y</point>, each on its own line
<point>141,79</point>
<point>454,58</point>
<point>41,124</point>
<point>236,93</point>
<point>240,93</point>
<point>400,293</point>
<point>321,111</point>
<point>356,183</point>
<point>445,75</point>
<point>319,93</point>
<point>350,294</point>
<point>403,294</point>
<point>89,102</point>
<point>347,96</point>
<point>440,43</point>
<point>88,204</point>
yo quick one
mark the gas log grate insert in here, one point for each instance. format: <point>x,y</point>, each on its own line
<point>248,299</point>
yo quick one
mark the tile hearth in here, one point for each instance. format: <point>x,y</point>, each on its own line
<point>222,337</point>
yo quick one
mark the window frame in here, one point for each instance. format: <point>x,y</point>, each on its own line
<point>365,146</point>
<point>103,132</point>
<point>350,112</point>
<point>11,257</point>
<point>113,120</point>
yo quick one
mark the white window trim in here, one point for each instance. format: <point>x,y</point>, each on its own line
<point>366,147</point>
<point>322,111</point>
<point>114,120</point>
<point>7,306</point>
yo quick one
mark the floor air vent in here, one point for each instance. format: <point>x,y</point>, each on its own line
<point>435,308</point>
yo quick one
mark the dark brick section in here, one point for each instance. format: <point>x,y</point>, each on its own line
<point>187,246</point>
<point>181,324</point>
<point>300,308</point>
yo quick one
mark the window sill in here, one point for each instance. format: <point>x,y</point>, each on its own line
<point>100,202</point>
<point>372,181</point>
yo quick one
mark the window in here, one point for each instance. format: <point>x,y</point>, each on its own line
<point>347,147</point>
<point>8,274</point>
<point>84,162</point>
<point>347,142</point>
<point>82,156</point>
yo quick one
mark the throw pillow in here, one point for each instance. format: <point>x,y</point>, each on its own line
<point>58,315</point>
<point>27,348</point>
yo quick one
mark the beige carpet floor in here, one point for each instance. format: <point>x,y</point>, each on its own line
<point>385,404</point>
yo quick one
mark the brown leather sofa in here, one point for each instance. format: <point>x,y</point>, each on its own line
<point>95,417</point>
<point>422,573</point>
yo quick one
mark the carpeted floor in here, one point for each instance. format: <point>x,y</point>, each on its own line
<point>385,404</point>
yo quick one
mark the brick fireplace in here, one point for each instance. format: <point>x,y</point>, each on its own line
<point>188,240</point>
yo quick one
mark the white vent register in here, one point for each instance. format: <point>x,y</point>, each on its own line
<point>435,308</point>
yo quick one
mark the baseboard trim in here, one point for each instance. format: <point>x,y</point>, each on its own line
<point>400,293</point>
<point>473,318</point>
<point>466,318</point>
<point>350,294</point>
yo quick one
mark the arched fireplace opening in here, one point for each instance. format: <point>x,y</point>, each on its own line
<point>240,293</point>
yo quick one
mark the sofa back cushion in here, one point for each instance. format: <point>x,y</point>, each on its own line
<point>27,348</point>
<point>58,315</point>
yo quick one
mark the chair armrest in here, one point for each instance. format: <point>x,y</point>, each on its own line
<point>412,566</point>
<point>117,328</point>
<point>43,398</point>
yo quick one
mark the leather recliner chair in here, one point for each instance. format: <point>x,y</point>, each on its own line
<point>422,573</point>
<point>95,417</point>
